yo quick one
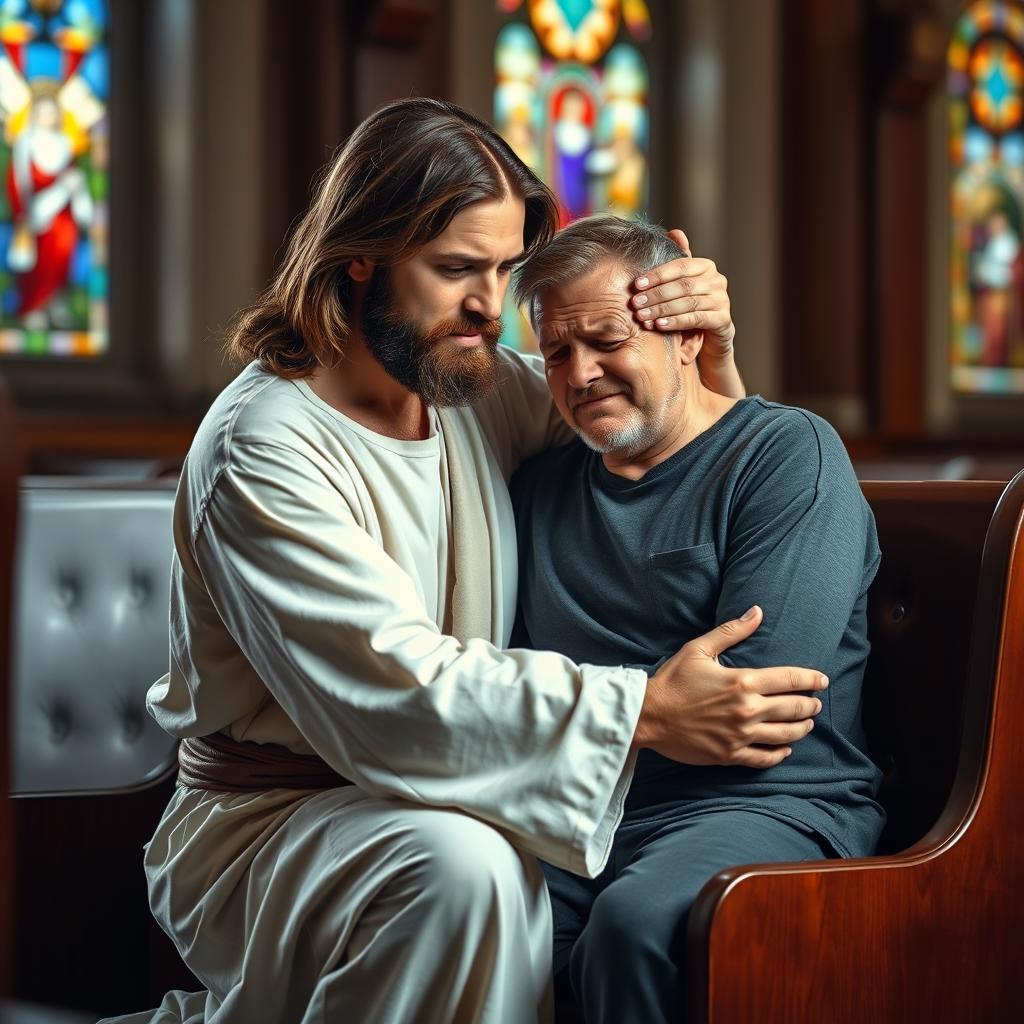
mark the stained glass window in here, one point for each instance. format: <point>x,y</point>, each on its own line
<point>54,163</point>
<point>986,146</point>
<point>571,99</point>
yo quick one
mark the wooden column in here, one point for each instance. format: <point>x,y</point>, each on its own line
<point>8,522</point>
<point>908,54</point>
<point>821,246</point>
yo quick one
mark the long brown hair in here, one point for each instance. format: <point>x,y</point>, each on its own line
<point>398,181</point>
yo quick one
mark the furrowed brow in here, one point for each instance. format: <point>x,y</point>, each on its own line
<point>606,325</point>
<point>465,257</point>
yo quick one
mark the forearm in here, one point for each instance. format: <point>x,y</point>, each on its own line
<point>337,633</point>
<point>720,374</point>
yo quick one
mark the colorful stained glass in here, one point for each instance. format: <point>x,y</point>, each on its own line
<point>571,100</point>
<point>54,160</point>
<point>986,151</point>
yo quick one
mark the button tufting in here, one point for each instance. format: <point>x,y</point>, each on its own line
<point>67,591</point>
<point>91,636</point>
<point>60,724</point>
<point>131,725</point>
<point>898,613</point>
<point>140,590</point>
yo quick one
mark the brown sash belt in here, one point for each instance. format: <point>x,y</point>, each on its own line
<point>222,764</point>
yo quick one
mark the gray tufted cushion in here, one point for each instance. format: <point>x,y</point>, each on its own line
<point>28,1013</point>
<point>90,635</point>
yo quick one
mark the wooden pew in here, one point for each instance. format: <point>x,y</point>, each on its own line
<point>931,928</point>
<point>924,934</point>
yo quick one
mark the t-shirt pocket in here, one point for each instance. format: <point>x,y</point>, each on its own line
<point>684,586</point>
<point>682,556</point>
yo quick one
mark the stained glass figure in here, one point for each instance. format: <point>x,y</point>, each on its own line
<point>54,161</point>
<point>571,100</point>
<point>986,147</point>
<point>572,109</point>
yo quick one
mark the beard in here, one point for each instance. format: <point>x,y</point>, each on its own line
<point>428,362</point>
<point>644,427</point>
<point>635,436</point>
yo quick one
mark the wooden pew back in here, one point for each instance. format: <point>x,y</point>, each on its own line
<point>931,933</point>
<point>921,607</point>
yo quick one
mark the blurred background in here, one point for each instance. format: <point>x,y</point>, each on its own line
<point>855,167</point>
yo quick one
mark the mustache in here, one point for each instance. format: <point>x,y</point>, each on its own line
<point>489,330</point>
<point>594,392</point>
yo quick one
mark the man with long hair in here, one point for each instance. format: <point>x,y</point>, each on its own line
<point>367,774</point>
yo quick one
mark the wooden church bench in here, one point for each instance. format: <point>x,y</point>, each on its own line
<point>930,928</point>
<point>925,930</point>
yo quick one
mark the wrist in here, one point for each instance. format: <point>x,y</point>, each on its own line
<point>720,354</point>
<point>646,731</point>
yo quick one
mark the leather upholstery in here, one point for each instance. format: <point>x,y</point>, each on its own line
<point>90,635</point>
<point>31,1013</point>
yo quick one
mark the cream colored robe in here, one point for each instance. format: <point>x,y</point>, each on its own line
<point>312,606</point>
<point>308,595</point>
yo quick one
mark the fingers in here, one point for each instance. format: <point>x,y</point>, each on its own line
<point>788,709</point>
<point>782,680</point>
<point>684,302</point>
<point>701,320</point>
<point>678,236</point>
<point>776,734</point>
<point>769,744</point>
<point>722,637</point>
<point>755,757</point>
<point>679,277</point>
<point>674,270</point>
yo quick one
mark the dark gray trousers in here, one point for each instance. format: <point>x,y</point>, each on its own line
<point>619,938</point>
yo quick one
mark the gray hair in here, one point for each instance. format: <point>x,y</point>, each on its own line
<point>636,245</point>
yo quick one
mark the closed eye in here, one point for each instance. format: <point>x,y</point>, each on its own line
<point>462,271</point>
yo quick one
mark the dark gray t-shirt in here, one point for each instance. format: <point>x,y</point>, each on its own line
<point>762,508</point>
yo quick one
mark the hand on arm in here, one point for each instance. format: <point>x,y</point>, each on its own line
<point>689,294</point>
<point>336,631</point>
<point>698,712</point>
<point>797,543</point>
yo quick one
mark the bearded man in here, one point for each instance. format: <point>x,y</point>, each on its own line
<point>367,774</point>
<point>678,508</point>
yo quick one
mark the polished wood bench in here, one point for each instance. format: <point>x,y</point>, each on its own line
<point>927,930</point>
<point>932,928</point>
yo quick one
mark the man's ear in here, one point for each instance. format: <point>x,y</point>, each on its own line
<point>690,345</point>
<point>360,269</point>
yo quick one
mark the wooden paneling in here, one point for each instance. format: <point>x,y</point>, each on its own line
<point>8,522</point>
<point>897,341</point>
<point>821,248</point>
<point>85,937</point>
<point>104,437</point>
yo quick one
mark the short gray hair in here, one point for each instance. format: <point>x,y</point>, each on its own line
<point>636,245</point>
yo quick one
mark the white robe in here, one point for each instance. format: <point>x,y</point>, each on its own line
<point>309,591</point>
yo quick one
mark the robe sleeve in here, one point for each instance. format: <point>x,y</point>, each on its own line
<point>527,741</point>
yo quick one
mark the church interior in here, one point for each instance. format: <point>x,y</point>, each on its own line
<point>856,170</point>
